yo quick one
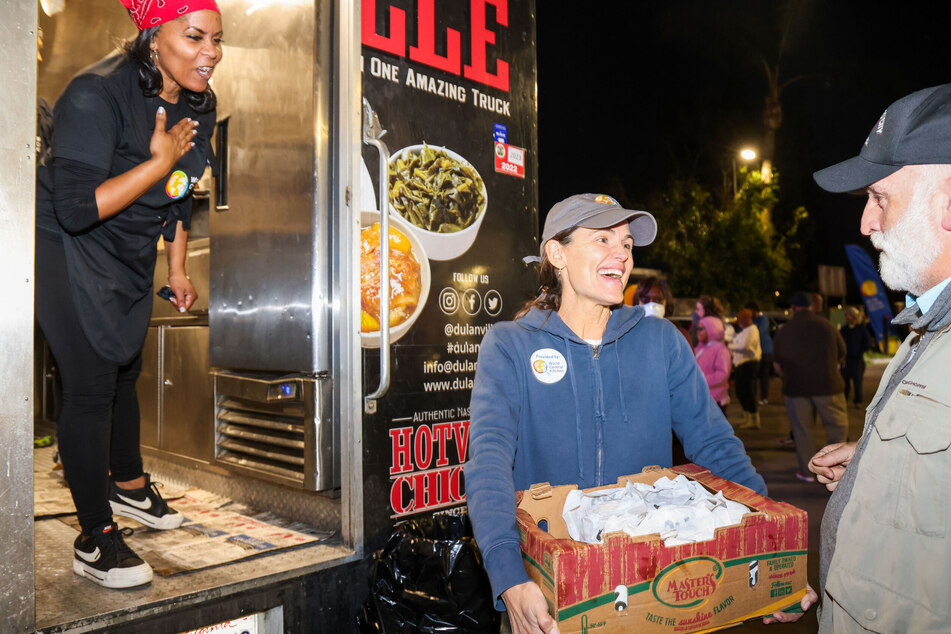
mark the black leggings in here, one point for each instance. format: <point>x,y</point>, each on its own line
<point>744,377</point>
<point>764,374</point>
<point>852,373</point>
<point>99,422</point>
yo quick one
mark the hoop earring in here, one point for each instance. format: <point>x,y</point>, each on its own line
<point>154,56</point>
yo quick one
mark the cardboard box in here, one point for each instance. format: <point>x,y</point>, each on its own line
<point>639,585</point>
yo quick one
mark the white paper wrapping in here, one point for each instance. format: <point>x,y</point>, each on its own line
<point>679,510</point>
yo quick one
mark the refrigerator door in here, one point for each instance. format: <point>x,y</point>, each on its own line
<point>270,223</point>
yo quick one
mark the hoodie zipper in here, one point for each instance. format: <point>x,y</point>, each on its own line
<point>600,423</point>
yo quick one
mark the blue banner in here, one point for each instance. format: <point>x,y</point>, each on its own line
<point>871,289</point>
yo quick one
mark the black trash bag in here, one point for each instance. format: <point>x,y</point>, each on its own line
<point>429,579</point>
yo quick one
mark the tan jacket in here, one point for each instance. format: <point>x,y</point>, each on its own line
<point>891,571</point>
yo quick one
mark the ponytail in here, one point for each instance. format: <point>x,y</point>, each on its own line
<point>549,292</point>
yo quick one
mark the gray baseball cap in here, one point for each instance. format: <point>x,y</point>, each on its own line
<point>597,211</point>
<point>915,130</point>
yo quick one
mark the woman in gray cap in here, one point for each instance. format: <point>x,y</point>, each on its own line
<point>581,389</point>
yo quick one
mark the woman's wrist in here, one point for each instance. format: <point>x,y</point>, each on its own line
<point>158,167</point>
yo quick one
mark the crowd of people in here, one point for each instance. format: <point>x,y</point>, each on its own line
<point>617,385</point>
<point>884,549</point>
<point>818,364</point>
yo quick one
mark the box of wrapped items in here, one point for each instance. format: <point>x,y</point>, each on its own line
<point>666,550</point>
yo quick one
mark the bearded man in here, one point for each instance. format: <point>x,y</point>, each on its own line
<point>885,553</point>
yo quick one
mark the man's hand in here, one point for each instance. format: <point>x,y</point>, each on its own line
<point>528,610</point>
<point>830,462</point>
<point>784,617</point>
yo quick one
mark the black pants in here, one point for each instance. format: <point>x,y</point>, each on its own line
<point>744,377</point>
<point>853,371</point>
<point>765,372</point>
<point>98,426</point>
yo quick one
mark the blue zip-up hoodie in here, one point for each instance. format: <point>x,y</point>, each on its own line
<point>549,407</point>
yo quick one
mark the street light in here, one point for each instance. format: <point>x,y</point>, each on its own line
<point>747,155</point>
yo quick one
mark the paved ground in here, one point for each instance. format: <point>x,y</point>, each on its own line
<point>778,467</point>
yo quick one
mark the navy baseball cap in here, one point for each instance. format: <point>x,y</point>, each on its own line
<point>800,299</point>
<point>597,211</point>
<point>915,130</point>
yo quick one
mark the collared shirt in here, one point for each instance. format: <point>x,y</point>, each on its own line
<point>892,495</point>
<point>926,300</point>
<point>927,326</point>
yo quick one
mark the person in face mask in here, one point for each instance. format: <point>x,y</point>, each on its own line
<point>652,294</point>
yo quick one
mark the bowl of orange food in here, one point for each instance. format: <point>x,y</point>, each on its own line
<point>410,278</point>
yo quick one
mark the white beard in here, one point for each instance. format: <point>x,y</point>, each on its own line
<point>910,247</point>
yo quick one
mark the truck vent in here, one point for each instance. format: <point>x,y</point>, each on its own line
<point>261,436</point>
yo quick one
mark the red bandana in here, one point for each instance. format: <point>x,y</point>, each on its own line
<point>149,13</point>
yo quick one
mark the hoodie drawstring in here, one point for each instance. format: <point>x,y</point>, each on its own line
<point>620,384</point>
<point>574,394</point>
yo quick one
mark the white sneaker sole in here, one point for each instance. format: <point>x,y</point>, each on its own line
<point>164,523</point>
<point>115,578</point>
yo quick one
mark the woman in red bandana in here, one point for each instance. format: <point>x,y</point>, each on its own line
<point>131,137</point>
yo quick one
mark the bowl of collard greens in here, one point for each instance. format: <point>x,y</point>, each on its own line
<point>440,195</point>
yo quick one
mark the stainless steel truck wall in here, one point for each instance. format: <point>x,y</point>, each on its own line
<point>17,138</point>
<point>271,223</point>
<point>77,38</point>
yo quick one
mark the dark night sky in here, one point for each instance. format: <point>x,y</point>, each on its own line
<point>638,92</point>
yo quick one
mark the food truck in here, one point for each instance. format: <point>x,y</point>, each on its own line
<point>304,383</point>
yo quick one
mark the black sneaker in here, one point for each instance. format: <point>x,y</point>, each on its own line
<point>144,505</point>
<point>105,559</point>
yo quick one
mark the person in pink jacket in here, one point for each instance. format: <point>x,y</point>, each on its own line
<point>714,359</point>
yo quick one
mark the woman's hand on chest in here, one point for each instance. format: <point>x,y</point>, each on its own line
<point>167,147</point>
